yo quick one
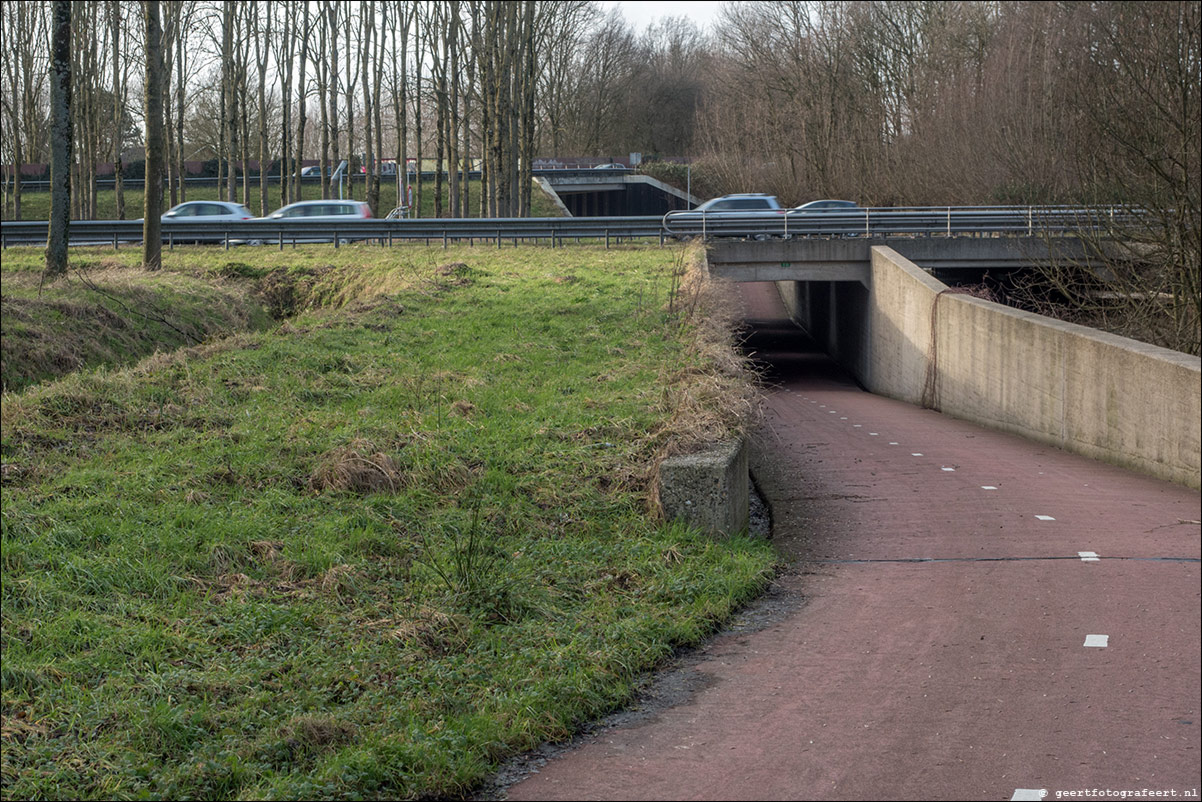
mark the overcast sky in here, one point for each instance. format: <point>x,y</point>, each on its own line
<point>641,14</point>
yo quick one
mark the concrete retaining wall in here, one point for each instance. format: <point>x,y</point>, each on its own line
<point>1107,397</point>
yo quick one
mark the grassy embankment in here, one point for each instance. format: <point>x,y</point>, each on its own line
<point>109,313</point>
<point>370,551</point>
<point>36,205</point>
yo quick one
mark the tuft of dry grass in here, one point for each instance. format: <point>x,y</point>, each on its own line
<point>357,468</point>
<point>432,631</point>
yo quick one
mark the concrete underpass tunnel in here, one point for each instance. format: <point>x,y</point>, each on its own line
<point>780,349</point>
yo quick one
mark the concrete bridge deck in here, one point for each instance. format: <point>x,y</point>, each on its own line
<point>944,642</point>
<point>850,258</point>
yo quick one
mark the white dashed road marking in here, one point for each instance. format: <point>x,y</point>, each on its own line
<point>1044,518</point>
<point>1088,556</point>
<point>988,487</point>
<point>1097,641</point>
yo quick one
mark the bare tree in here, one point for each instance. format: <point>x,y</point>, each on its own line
<point>119,98</point>
<point>152,244</point>
<point>305,30</point>
<point>262,41</point>
<point>285,56</point>
<point>25,71</point>
<point>60,140</point>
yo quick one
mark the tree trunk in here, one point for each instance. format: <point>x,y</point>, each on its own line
<point>302,94</point>
<point>152,245</point>
<point>367,27</point>
<point>181,71</point>
<point>229,96</point>
<point>60,140</point>
<point>261,50</point>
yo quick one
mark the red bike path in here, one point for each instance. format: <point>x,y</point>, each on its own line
<point>945,644</point>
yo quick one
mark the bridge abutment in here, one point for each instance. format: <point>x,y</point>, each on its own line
<point>908,336</point>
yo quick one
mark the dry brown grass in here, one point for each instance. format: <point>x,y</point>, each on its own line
<point>716,398</point>
<point>358,468</point>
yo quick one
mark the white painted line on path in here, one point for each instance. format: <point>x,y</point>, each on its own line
<point>1097,641</point>
<point>1044,518</point>
<point>1028,794</point>
<point>988,487</point>
<point>948,469</point>
<point>892,444</point>
<point>1088,556</point>
<point>916,454</point>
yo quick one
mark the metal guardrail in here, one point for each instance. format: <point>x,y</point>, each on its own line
<point>901,221</point>
<point>291,232</point>
<point>928,221</point>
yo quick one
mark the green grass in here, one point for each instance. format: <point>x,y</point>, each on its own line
<point>367,553</point>
<point>36,205</point>
<point>107,312</point>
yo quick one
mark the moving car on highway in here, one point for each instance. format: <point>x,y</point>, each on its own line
<point>727,215</point>
<point>179,222</point>
<point>826,218</point>
<point>823,206</point>
<point>323,211</point>
<point>207,211</point>
<point>311,219</point>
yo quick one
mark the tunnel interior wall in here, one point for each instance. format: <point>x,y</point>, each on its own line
<point>1093,393</point>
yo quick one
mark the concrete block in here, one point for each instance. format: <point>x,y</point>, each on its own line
<point>707,490</point>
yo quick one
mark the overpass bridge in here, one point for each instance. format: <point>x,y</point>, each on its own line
<point>903,333</point>
<point>957,258</point>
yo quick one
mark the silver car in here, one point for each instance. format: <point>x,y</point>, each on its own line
<point>721,216</point>
<point>308,216</point>
<point>323,211</point>
<point>205,211</point>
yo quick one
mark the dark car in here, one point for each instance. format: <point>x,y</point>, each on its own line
<point>827,218</point>
<point>824,206</point>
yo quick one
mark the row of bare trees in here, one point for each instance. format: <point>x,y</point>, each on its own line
<point>958,102</point>
<point>886,103</point>
<point>466,84</point>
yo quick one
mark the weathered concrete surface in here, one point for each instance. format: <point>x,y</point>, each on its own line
<point>939,652</point>
<point>850,258</point>
<point>708,489</point>
<point>1107,397</point>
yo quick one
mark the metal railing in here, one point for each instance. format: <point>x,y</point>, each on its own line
<point>900,221</point>
<point>384,231</point>
<point>947,221</point>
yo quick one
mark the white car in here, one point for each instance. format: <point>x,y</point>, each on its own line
<point>323,211</point>
<point>727,209</point>
<point>309,215</point>
<point>206,211</point>
<point>192,213</point>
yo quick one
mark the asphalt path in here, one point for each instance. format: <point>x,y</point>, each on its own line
<point>981,617</point>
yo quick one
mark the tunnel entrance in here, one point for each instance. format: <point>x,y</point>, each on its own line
<point>616,195</point>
